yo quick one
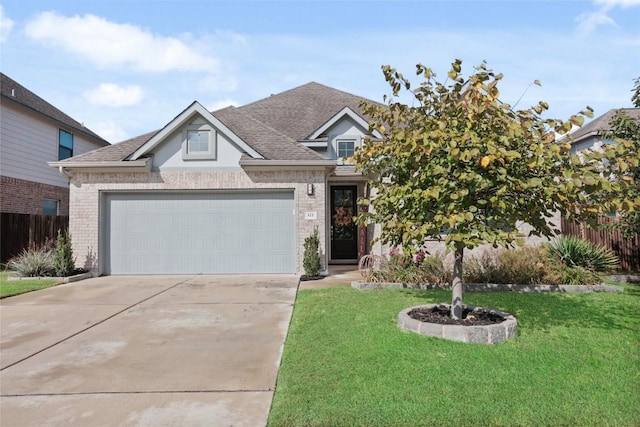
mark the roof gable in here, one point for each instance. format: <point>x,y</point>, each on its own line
<point>345,112</point>
<point>300,111</point>
<point>182,119</point>
<point>272,129</point>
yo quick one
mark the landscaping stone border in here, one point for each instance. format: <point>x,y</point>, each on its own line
<point>68,279</point>
<point>475,334</point>
<point>484,287</point>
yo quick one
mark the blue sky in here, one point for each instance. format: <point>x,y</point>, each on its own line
<point>126,67</point>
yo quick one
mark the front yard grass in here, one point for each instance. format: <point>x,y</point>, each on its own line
<point>346,363</point>
<point>14,287</point>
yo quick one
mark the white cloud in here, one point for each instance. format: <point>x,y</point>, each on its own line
<point>223,103</point>
<point>109,45</point>
<point>114,95</point>
<point>623,3</point>
<point>6,25</point>
<point>588,22</point>
<point>110,131</point>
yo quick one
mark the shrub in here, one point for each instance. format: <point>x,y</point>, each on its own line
<point>416,270</point>
<point>580,262</point>
<point>527,265</point>
<point>33,262</point>
<point>571,263</point>
<point>578,276</point>
<point>480,269</point>
<point>311,261</point>
<point>575,252</point>
<point>63,263</point>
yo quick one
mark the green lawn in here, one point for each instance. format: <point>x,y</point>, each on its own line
<point>576,362</point>
<point>15,287</point>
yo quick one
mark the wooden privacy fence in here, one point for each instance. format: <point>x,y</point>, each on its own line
<point>21,231</point>
<point>627,249</point>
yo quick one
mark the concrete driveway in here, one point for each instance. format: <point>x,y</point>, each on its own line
<point>144,351</point>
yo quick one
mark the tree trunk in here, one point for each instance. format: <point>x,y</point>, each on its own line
<point>456,300</point>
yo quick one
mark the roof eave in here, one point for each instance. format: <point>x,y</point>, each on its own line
<point>140,165</point>
<point>287,164</point>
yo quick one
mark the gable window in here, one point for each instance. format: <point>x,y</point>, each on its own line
<point>199,143</point>
<point>65,144</point>
<point>50,207</point>
<point>346,148</point>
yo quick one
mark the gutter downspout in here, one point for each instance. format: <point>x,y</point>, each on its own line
<point>64,173</point>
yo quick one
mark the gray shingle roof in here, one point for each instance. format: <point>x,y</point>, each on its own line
<point>270,143</point>
<point>601,123</point>
<point>273,126</point>
<point>15,92</point>
<point>300,111</point>
<point>115,152</point>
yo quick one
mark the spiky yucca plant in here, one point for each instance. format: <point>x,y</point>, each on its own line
<point>33,262</point>
<point>576,252</point>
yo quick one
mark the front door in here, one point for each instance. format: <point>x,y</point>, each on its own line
<point>344,232</point>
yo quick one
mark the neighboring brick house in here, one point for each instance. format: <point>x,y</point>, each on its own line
<point>32,133</point>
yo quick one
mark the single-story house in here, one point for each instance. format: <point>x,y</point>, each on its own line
<point>232,191</point>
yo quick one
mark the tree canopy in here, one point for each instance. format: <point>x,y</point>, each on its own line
<point>625,133</point>
<point>462,166</point>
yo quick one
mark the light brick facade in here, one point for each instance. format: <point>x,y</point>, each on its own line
<point>26,197</point>
<point>84,222</point>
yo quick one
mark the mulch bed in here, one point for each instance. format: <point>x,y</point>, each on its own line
<point>441,315</point>
<point>305,278</point>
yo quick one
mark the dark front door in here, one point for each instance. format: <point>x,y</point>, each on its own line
<point>344,232</point>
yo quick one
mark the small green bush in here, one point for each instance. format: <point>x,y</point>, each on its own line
<point>527,265</point>
<point>311,261</point>
<point>33,262</point>
<point>63,263</point>
<point>578,276</point>
<point>411,270</point>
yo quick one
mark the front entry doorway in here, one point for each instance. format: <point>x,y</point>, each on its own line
<point>344,231</point>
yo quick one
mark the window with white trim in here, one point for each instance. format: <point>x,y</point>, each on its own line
<point>346,148</point>
<point>199,143</point>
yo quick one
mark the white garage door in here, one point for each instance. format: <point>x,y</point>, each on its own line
<point>198,232</point>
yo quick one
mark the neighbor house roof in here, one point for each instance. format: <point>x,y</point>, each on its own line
<point>15,92</point>
<point>273,127</point>
<point>601,124</point>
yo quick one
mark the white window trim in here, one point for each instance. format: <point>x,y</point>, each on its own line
<point>211,154</point>
<point>357,142</point>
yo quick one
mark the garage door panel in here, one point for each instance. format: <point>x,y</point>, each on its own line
<point>161,232</point>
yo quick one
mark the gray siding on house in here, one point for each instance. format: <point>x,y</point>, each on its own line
<point>199,232</point>
<point>28,142</point>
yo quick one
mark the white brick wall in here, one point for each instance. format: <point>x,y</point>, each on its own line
<point>85,188</point>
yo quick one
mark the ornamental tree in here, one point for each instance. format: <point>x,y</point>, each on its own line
<point>461,166</point>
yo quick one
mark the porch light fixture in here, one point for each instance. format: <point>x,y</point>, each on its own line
<point>309,189</point>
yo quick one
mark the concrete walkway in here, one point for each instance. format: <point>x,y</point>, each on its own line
<point>144,351</point>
